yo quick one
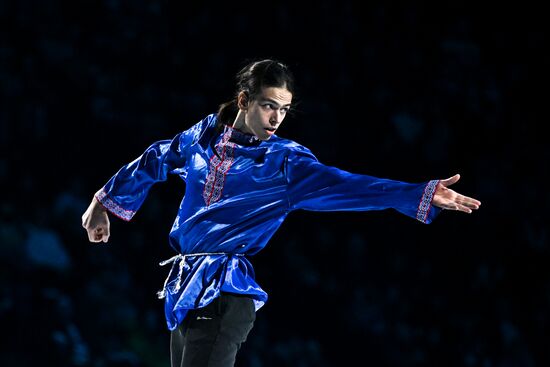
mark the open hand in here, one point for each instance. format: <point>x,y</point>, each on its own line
<point>448,199</point>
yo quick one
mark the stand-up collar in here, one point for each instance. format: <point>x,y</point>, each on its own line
<point>241,138</point>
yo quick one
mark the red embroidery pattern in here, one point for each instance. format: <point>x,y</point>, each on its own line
<point>215,179</point>
<point>426,201</point>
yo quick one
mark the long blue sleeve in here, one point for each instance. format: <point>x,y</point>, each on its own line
<point>315,186</point>
<point>126,191</point>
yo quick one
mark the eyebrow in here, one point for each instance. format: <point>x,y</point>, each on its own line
<point>274,102</point>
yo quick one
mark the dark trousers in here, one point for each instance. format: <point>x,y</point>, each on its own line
<point>212,335</point>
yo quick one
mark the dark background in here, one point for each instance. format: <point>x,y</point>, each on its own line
<point>408,92</point>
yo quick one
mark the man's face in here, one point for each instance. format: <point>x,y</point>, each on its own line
<point>266,113</point>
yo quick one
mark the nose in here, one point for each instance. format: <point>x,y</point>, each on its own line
<point>276,117</point>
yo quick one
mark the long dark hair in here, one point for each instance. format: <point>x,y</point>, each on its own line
<point>251,79</point>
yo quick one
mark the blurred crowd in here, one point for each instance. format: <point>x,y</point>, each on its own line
<point>407,92</point>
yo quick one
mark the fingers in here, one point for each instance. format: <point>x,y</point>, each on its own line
<point>451,180</point>
<point>462,204</point>
<point>98,234</point>
<point>471,203</point>
<point>455,206</point>
<point>451,200</point>
<point>463,208</point>
<point>93,236</point>
<point>468,202</point>
<point>106,235</point>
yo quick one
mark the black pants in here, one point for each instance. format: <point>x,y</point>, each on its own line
<point>212,335</point>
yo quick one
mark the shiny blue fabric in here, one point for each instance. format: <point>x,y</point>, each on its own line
<point>236,200</point>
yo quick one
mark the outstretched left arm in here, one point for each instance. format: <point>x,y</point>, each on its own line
<point>448,199</point>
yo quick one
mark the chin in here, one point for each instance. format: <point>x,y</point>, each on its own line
<point>263,136</point>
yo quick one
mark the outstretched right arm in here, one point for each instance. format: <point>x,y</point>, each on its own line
<point>126,191</point>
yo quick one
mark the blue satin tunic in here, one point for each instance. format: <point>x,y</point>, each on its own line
<point>236,200</point>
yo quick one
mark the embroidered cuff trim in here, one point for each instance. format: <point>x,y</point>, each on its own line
<point>113,207</point>
<point>426,201</point>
